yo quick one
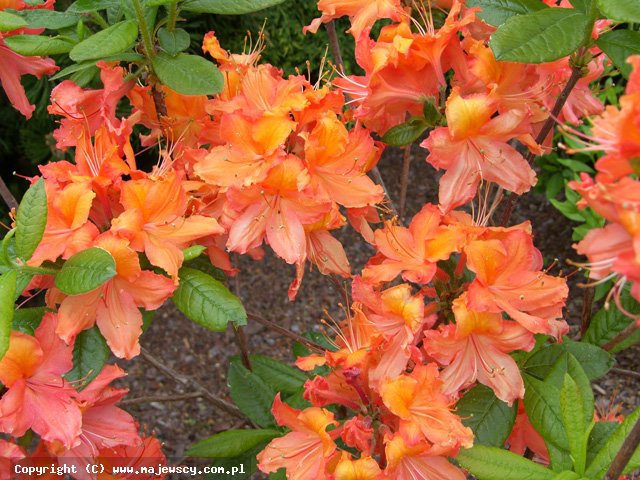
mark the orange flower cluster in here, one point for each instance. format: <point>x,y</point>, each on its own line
<point>614,250</point>
<point>400,364</point>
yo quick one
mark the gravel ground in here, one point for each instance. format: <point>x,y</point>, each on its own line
<point>204,355</point>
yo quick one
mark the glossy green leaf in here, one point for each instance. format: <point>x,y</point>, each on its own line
<point>86,271</point>
<point>188,74</point>
<point>608,323</point>
<point>542,36</point>
<point>490,418</point>
<point>7,308</point>
<point>251,394</point>
<point>173,42</point>
<point>116,39</point>
<point>207,301</point>
<point>619,45</point>
<point>225,7</point>
<point>567,364</point>
<point>575,425</point>
<point>9,21</point>
<point>405,133</point>
<point>492,463</point>
<point>600,433</point>
<point>84,6</point>
<point>567,475</point>
<point>26,320</point>
<point>620,10</point>
<point>594,360</point>
<point>90,353</point>
<point>31,219</point>
<point>193,252</point>
<point>242,467</point>
<point>38,45</point>
<point>496,12</point>
<point>231,443</point>
<point>280,376</point>
<point>542,403</point>
<point>42,18</point>
<point>603,459</point>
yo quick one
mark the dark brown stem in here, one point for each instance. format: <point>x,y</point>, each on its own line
<point>404,181</point>
<point>287,333</point>
<point>190,382</point>
<point>158,101</point>
<point>621,337</point>
<point>160,398</point>
<point>576,74</point>
<point>377,177</point>
<point>241,338</point>
<point>587,305</point>
<point>625,453</point>
<point>626,373</point>
<point>334,45</point>
<point>7,196</point>
<point>343,291</point>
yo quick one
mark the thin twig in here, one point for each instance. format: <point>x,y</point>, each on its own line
<point>343,291</point>
<point>161,398</point>
<point>621,337</point>
<point>334,45</point>
<point>7,196</point>
<point>587,305</point>
<point>625,453</point>
<point>287,333</point>
<point>241,338</point>
<point>190,382</point>
<point>576,74</point>
<point>625,372</point>
<point>404,181</point>
<point>377,177</point>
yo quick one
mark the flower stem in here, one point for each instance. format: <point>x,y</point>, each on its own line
<point>149,49</point>
<point>172,16</point>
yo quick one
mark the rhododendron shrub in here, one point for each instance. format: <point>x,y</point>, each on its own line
<point>453,354</point>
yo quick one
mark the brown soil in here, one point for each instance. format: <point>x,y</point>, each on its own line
<point>204,355</point>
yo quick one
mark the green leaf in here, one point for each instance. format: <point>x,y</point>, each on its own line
<point>230,443</point>
<point>90,353</point>
<point>490,418</point>
<point>594,360</point>
<point>600,433</point>
<point>84,6</point>
<point>193,252</point>
<point>496,12</point>
<point>619,45</point>
<point>204,265</point>
<point>251,394</point>
<point>539,37</point>
<point>405,133</point>
<point>280,376</point>
<point>600,464</point>
<point>26,320</point>
<point>123,57</point>
<point>207,301</point>
<point>173,42</point>
<point>571,407</point>
<point>491,463</point>
<point>225,7</point>
<point>116,39</point>
<point>7,308</point>
<point>542,403</point>
<point>567,364</point>
<point>620,10</point>
<point>31,218</point>
<point>42,18</point>
<point>159,3</point>
<point>86,271</point>
<point>9,21</point>
<point>575,165</point>
<point>607,323</point>
<point>242,467</point>
<point>188,74</point>
<point>567,475</point>
<point>38,45</point>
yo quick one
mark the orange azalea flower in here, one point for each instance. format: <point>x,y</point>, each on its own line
<point>417,398</point>
<point>361,13</point>
<point>363,468</point>
<point>10,455</point>
<point>338,161</point>
<point>306,450</point>
<point>147,453</point>
<point>398,316</point>
<point>114,306</point>
<point>524,436</point>
<point>509,279</point>
<point>12,67</point>
<point>477,348</point>
<point>37,396</point>
<point>474,147</point>
<point>154,221</point>
<point>90,109</point>
<point>414,251</point>
<point>411,458</point>
<point>68,229</point>
<point>277,209</point>
<point>330,390</point>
